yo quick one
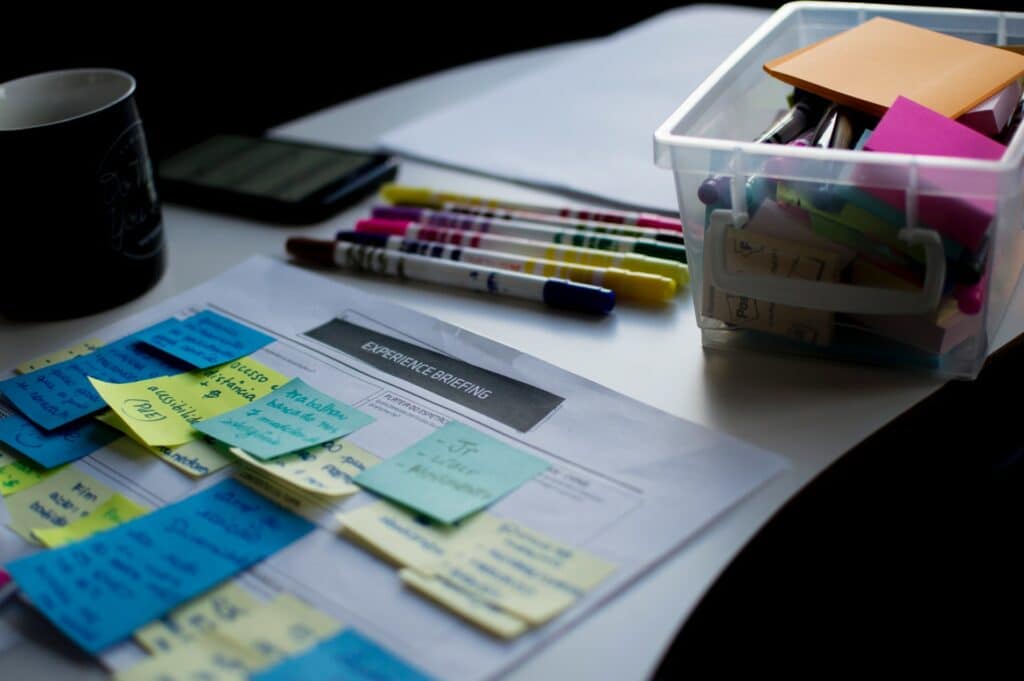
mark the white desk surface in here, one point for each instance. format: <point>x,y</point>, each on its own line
<point>809,411</point>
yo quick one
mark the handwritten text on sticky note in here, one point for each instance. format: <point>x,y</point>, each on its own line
<point>452,473</point>
<point>206,339</point>
<point>294,417</point>
<point>116,510</point>
<point>57,501</point>
<point>98,591</point>
<point>51,448</point>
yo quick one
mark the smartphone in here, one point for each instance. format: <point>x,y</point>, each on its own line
<point>272,180</point>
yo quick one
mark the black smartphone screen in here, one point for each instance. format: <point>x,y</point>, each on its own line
<point>271,179</point>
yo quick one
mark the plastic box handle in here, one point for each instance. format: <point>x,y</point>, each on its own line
<point>826,295</point>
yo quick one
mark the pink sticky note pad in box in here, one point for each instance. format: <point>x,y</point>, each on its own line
<point>949,200</point>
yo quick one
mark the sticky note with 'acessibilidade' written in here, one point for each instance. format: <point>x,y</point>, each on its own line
<point>100,590</point>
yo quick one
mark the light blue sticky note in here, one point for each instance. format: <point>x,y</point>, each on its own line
<point>293,417</point>
<point>57,395</point>
<point>52,448</point>
<point>206,339</point>
<point>99,590</point>
<point>451,473</point>
<point>349,656</point>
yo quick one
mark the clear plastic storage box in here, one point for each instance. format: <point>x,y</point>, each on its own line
<point>828,271</point>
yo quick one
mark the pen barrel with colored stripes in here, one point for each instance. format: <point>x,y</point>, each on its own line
<point>637,286</point>
<point>462,275</point>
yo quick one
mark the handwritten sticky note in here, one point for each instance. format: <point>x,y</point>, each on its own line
<point>58,501</point>
<point>870,65</point>
<point>200,616</point>
<point>452,473</point>
<point>52,448</point>
<point>522,571</point>
<point>138,571</point>
<point>326,469</point>
<point>474,610</point>
<point>406,539</point>
<point>19,476</point>
<point>162,411</point>
<point>282,627</point>
<point>294,417</point>
<point>56,395</point>
<point>83,348</point>
<point>349,656</point>
<point>206,339</point>
<point>209,658</point>
<point>196,458</point>
<point>116,510</point>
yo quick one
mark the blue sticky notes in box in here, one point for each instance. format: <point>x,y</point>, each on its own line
<point>99,590</point>
<point>295,416</point>
<point>57,395</point>
<point>451,473</point>
<point>205,339</point>
<point>52,448</point>
<point>349,656</point>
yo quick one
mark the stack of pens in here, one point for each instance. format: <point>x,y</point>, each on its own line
<point>578,259</point>
<point>866,226</point>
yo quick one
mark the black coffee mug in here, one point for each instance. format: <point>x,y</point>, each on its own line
<point>80,224</point>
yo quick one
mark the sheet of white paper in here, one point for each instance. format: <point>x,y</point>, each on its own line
<point>627,483</point>
<point>586,124</point>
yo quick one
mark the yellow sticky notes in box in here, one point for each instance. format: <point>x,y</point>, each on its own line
<point>409,540</point>
<point>161,411</point>
<point>56,501</point>
<point>326,469</point>
<point>17,476</point>
<point>484,615</point>
<point>199,616</point>
<point>111,513</point>
<point>228,649</point>
<point>83,348</point>
<point>522,571</point>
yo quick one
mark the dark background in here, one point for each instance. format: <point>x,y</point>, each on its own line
<point>906,547</point>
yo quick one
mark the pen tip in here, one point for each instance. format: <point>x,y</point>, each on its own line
<point>315,250</point>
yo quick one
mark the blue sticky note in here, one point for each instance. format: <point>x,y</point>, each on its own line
<point>451,473</point>
<point>295,416</point>
<point>205,339</point>
<point>349,656</point>
<point>57,395</point>
<point>99,590</point>
<point>52,448</point>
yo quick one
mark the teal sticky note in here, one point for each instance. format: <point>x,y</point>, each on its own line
<point>101,589</point>
<point>293,417</point>
<point>349,656</point>
<point>205,339</point>
<point>451,473</point>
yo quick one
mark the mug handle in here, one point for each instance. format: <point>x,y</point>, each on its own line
<point>826,295</point>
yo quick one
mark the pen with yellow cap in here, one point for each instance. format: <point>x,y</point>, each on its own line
<point>672,269</point>
<point>628,285</point>
<point>419,196</point>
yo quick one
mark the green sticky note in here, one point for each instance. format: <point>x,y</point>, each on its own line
<point>295,416</point>
<point>452,473</point>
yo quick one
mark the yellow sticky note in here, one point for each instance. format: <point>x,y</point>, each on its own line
<point>522,571</point>
<point>209,658</point>
<point>199,616</point>
<point>18,476</point>
<point>409,540</point>
<point>111,513</point>
<point>160,411</point>
<point>327,469</point>
<point>56,501</point>
<point>196,458</point>
<point>284,626</point>
<point>59,356</point>
<point>486,616</point>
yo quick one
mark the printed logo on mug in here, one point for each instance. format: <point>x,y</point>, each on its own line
<point>80,221</point>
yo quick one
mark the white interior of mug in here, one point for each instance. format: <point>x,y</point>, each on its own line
<point>57,96</point>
